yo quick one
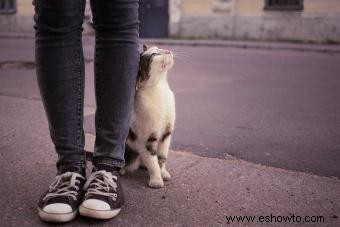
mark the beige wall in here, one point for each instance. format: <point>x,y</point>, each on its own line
<point>247,20</point>
<point>322,6</point>
<point>228,19</point>
<point>24,7</point>
<point>249,7</point>
<point>255,7</point>
<point>200,7</point>
<point>241,7</point>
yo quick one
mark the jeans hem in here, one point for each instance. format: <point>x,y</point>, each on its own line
<point>108,161</point>
<point>78,165</point>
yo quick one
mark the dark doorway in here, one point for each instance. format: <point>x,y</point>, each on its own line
<point>283,5</point>
<point>8,6</point>
<point>154,18</point>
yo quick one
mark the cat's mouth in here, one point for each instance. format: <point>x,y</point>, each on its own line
<point>171,54</point>
<point>168,58</point>
<point>170,61</point>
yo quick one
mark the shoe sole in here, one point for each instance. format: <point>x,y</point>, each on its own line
<point>55,217</point>
<point>98,214</point>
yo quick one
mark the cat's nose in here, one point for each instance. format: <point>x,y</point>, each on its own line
<point>168,52</point>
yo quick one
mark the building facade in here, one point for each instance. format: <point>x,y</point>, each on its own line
<point>283,20</point>
<point>277,20</point>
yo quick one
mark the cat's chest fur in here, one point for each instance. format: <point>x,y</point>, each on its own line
<point>154,109</point>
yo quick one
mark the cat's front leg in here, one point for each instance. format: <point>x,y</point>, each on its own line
<point>151,163</point>
<point>164,172</point>
<point>163,151</point>
<point>162,157</point>
<point>150,160</point>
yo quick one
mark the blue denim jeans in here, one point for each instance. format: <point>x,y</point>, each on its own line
<point>60,74</point>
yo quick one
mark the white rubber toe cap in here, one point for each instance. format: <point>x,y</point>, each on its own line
<point>58,208</point>
<point>96,204</point>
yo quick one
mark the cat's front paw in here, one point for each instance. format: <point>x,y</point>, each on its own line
<point>156,183</point>
<point>165,175</point>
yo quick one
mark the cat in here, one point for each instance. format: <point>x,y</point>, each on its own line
<point>153,117</point>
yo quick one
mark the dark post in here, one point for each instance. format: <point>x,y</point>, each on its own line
<point>154,18</point>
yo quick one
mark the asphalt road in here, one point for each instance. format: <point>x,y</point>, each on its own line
<point>275,107</point>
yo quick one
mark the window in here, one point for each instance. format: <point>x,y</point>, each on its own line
<point>283,5</point>
<point>8,6</point>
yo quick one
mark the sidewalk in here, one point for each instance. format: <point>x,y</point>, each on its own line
<point>331,48</point>
<point>201,193</point>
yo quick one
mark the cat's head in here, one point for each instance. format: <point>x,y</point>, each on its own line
<point>154,63</point>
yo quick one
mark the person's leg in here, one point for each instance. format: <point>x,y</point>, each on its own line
<point>60,74</point>
<point>116,68</point>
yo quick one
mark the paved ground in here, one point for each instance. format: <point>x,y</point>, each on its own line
<point>236,107</point>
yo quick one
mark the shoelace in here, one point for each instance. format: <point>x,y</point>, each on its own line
<point>99,181</point>
<point>63,185</point>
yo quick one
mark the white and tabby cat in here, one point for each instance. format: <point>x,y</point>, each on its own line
<point>153,117</point>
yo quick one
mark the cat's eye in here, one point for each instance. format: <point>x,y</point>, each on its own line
<point>155,54</point>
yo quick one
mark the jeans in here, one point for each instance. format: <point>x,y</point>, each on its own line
<point>61,75</point>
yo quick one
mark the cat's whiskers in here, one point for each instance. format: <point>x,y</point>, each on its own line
<point>176,52</point>
<point>179,52</point>
<point>183,58</point>
<point>181,55</point>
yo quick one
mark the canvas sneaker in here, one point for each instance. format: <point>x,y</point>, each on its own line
<point>104,195</point>
<point>60,202</point>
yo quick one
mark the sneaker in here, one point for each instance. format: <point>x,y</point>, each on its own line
<point>60,202</point>
<point>104,195</point>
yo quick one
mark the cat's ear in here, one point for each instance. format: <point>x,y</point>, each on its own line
<point>145,47</point>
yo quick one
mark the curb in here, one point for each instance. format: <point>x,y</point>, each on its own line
<point>328,48</point>
<point>325,48</point>
<point>23,35</point>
